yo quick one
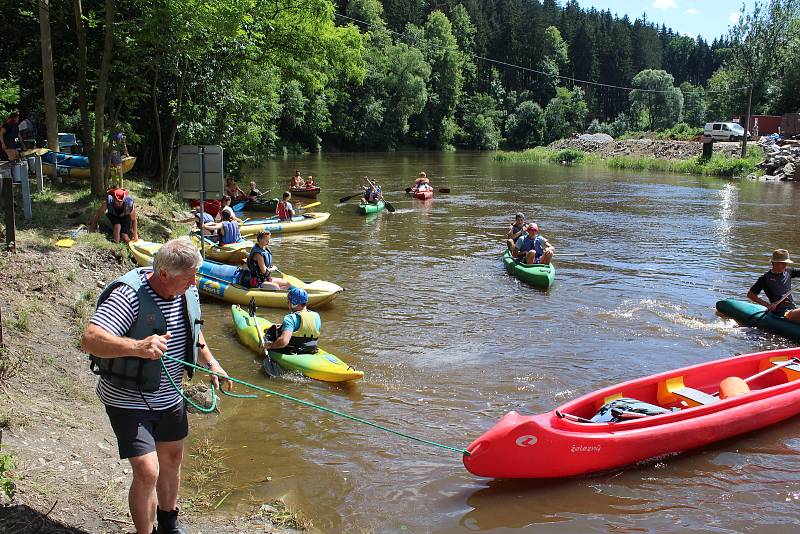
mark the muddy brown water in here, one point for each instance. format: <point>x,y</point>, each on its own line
<point>449,343</point>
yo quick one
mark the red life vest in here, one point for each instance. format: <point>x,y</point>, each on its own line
<point>281,211</point>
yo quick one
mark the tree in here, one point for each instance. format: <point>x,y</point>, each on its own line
<point>565,114</point>
<point>51,112</point>
<point>656,100</point>
<point>481,122</point>
<point>694,104</point>
<point>525,127</point>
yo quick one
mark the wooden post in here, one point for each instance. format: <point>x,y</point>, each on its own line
<point>747,121</point>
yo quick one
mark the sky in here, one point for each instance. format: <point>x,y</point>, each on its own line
<point>706,18</point>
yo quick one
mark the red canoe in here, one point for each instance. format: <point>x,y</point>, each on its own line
<point>422,195</point>
<point>557,444</point>
<point>310,192</point>
<point>211,207</point>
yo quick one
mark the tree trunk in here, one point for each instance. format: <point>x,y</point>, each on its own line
<point>83,95</point>
<point>166,168</point>
<point>51,113</point>
<point>159,137</point>
<point>96,162</point>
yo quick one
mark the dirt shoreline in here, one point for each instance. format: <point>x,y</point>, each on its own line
<point>650,148</point>
<point>68,474</point>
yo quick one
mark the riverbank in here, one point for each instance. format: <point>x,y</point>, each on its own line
<point>644,154</point>
<point>66,475</point>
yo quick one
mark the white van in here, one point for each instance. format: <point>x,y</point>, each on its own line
<point>724,131</point>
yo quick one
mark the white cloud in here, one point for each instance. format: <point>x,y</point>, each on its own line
<point>665,4</point>
<point>734,17</point>
<point>691,11</point>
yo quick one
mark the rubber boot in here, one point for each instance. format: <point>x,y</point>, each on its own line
<point>168,522</point>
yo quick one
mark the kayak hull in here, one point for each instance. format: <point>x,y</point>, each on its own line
<point>537,275</point>
<point>262,205</point>
<point>548,446</point>
<point>422,195</point>
<point>322,365</point>
<point>307,192</point>
<point>220,281</point>
<point>299,223</point>
<point>367,208</point>
<point>78,172</point>
<point>232,253</point>
<point>211,207</point>
<point>748,313</point>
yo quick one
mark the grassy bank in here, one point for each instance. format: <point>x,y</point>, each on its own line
<point>715,166</point>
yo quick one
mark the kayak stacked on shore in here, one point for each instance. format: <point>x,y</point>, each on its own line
<point>750,314</point>
<point>538,275</point>
<point>321,365</point>
<point>694,411</point>
<point>233,253</point>
<point>75,166</point>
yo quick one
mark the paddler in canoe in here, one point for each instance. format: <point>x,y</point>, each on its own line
<point>254,193</point>
<point>259,266</point>
<point>233,190</point>
<point>299,330</point>
<point>516,229</point>
<point>777,285</point>
<point>227,229</point>
<point>310,182</point>
<point>532,247</point>
<point>284,209</point>
<point>422,183</point>
<point>297,180</point>
<point>372,192</point>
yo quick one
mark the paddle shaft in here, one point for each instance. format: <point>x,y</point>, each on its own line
<point>570,417</point>
<point>271,368</point>
<point>773,368</point>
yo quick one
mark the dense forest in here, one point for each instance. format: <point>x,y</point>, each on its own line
<point>265,77</point>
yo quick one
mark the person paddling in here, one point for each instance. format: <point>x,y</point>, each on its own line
<point>532,248</point>
<point>284,209</point>
<point>372,192</point>
<point>297,180</point>
<point>259,265</point>
<point>300,329</point>
<point>254,193</point>
<point>422,183</point>
<point>516,229</point>
<point>777,285</point>
<point>120,209</point>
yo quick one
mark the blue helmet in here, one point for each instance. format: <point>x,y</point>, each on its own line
<point>298,296</point>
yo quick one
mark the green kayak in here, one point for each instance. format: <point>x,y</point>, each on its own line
<point>366,209</point>
<point>536,275</point>
<point>748,313</point>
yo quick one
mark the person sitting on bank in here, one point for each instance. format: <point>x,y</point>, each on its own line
<point>207,219</point>
<point>120,209</point>
<point>225,206</point>
<point>517,228</point>
<point>284,209</point>
<point>300,329</point>
<point>227,229</point>
<point>297,180</point>
<point>259,265</point>
<point>233,190</point>
<point>532,248</point>
<point>372,192</point>
<point>777,285</point>
<point>254,193</point>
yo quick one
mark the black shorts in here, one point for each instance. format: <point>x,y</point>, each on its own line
<point>124,222</point>
<point>138,431</point>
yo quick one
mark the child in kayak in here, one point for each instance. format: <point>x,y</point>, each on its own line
<point>300,329</point>
<point>777,285</point>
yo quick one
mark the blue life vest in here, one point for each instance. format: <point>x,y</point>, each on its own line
<point>231,232</point>
<point>127,206</point>
<point>140,374</point>
<point>252,266</point>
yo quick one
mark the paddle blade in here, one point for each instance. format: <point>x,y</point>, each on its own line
<point>251,307</point>
<point>408,189</point>
<point>345,199</point>
<point>388,206</point>
<point>271,367</point>
<point>239,206</point>
<point>312,205</point>
<point>444,189</point>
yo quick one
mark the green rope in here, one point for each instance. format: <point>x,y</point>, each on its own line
<point>312,405</point>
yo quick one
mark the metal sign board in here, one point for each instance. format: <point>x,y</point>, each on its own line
<point>191,158</point>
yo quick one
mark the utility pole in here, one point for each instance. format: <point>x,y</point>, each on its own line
<point>51,117</point>
<point>747,121</point>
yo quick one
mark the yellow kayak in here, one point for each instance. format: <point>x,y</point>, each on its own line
<point>307,221</point>
<point>222,282</point>
<point>82,173</point>
<point>321,365</point>
<point>233,253</point>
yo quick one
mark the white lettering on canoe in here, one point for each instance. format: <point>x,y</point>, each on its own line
<point>585,448</point>
<point>526,441</point>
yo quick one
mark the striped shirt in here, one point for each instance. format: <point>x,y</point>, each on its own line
<point>117,315</point>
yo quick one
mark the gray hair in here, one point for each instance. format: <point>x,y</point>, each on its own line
<point>177,257</point>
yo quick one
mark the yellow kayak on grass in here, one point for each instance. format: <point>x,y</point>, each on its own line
<point>232,253</point>
<point>82,173</point>
<point>221,281</point>
<point>307,221</point>
<point>321,365</point>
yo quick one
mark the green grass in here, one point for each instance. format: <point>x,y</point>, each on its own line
<point>715,166</point>
<point>7,479</point>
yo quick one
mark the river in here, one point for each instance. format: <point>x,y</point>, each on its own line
<point>449,343</point>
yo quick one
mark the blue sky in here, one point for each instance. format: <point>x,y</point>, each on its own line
<point>706,18</point>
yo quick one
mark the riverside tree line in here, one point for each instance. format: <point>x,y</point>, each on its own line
<point>263,77</point>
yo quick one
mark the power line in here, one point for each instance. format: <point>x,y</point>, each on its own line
<point>547,74</point>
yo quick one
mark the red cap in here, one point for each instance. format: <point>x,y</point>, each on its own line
<point>120,194</point>
<point>533,226</point>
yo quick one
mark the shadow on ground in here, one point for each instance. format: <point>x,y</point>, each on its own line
<point>20,519</point>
